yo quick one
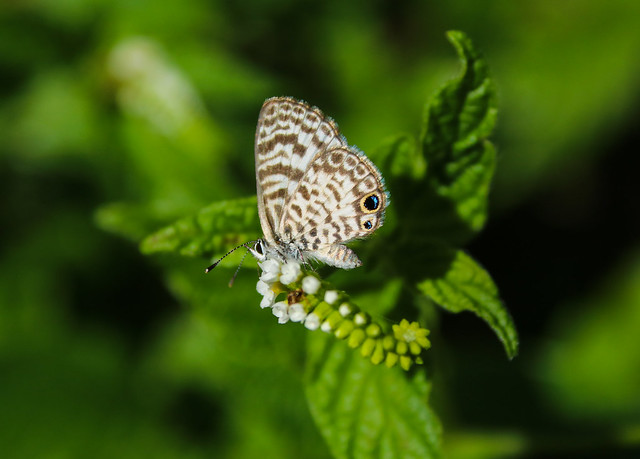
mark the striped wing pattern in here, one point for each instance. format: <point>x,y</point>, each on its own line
<point>289,135</point>
<point>314,191</point>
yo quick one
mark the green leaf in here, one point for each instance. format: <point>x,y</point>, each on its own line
<point>131,221</point>
<point>367,411</point>
<point>460,161</point>
<point>399,157</point>
<point>382,299</point>
<point>212,231</point>
<point>404,168</point>
<point>460,284</point>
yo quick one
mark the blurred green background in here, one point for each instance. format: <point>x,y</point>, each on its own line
<point>150,108</point>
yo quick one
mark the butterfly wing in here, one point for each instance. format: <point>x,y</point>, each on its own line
<point>341,197</point>
<point>289,135</point>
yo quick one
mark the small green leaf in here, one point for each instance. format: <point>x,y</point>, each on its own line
<point>404,168</point>
<point>463,285</point>
<point>460,161</point>
<point>399,158</point>
<point>367,411</point>
<point>212,231</point>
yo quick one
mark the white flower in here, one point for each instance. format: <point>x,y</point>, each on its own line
<point>280,311</point>
<point>330,296</point>
<point>268,298</point>
<point>269,277</point>
<point>270,265</point>
<point>262,287</point>
<point>290,272</point>
<point>344,309</point>
<point>326,326</point>
<point>296,312</point>
<point>312,322</point>
<point>270,271</point>
<point>310,285</point>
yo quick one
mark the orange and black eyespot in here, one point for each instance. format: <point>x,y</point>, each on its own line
<point>370,203</point>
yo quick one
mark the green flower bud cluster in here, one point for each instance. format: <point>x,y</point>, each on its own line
<point>310,301</point>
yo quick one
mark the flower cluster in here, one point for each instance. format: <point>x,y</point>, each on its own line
<point>309,301</point>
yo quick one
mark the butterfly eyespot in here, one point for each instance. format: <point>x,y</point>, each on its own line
<point>370,203</point>
<point>315,192</point>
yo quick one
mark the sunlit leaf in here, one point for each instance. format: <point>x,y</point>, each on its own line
<point>399,158</point>
<point>460,161</point>
<point>213,230</point>
<point>463,285</point>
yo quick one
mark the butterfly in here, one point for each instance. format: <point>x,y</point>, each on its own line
<point>315,192</point>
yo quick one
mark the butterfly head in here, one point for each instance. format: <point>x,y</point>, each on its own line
<point>259,250</point>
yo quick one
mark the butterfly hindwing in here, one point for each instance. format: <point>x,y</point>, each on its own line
<point>340,198</point>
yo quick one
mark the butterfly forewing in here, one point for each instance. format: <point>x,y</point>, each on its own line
<point>314,191</point>
<point>289,135</point>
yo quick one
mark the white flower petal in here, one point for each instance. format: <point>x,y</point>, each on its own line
<point>269,277</point>
<point>312,322</point>
<point>280,309</point>
<point>290,272</point>
<point>310,285</point>
<point>360,319</point>
<point>296,312</point>
<point>344,309</point>
<point>326,327</point>
<point>330,296</point>
<point>262,287</point>
<point>267,300</point>
<point>270,266</point>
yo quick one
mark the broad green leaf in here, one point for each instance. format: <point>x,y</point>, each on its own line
<point>212,231</point>
<point>367,411</point>
<point>382,299</point>
<point>460,161</point>
<point>460,284</point>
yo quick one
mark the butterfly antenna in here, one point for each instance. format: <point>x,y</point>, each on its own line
<point>238,270</point>
<point>225,255</point>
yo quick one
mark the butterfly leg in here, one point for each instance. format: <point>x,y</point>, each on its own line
<point>305,262</point>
